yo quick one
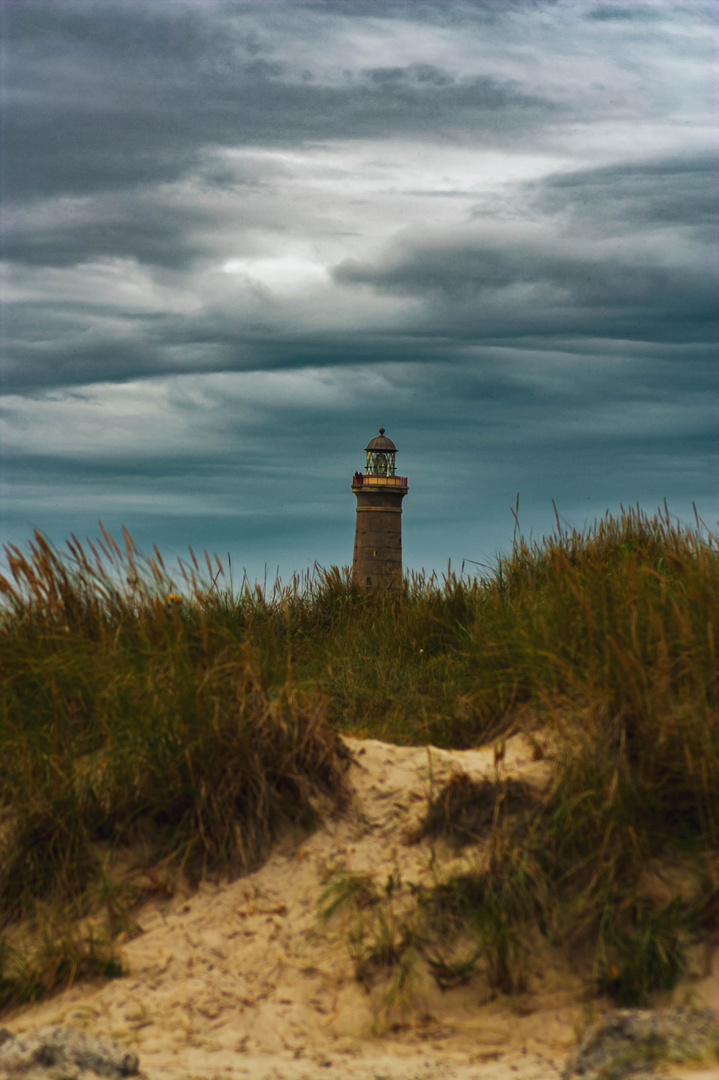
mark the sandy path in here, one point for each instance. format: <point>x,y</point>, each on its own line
<point>244,980</point>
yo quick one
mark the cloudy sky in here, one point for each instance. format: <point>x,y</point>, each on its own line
<point>239,235</point>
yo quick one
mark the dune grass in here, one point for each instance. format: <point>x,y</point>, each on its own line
<point>179,715</point>
<point>132,721</point>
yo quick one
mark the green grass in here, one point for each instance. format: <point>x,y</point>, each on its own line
<point>187,718</point>
<point>386,935</point>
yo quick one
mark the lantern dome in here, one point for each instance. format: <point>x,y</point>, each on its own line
<point>381,442</point>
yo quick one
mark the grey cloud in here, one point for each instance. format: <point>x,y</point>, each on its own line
<point>156,132</point>
<point>50,348</point>
<point>615,12</point>
<point>496,290</point>
<point>666,192</point>
<point>414,73</point>
<point>102,96</point>
<point>135,225</point>
<point>465,12</point>
<point>578,266</point>
<point>547,276</point>
<point>406,84</point>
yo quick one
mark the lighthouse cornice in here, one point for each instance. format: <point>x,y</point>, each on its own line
<point>364,482</point>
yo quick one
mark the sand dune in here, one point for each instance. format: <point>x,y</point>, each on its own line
<point>244,979</point>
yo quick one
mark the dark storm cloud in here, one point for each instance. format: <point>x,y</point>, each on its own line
<point>154,133</point>
<point>498,289</point>
<point>135,225</point>
<point>106,96</point>
<point>624,13</point>
<point>666,192</point>
<point>592,275</point>
<point>51,347</point>
<point>56,348</point>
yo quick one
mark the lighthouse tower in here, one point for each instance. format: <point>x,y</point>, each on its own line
<point>378,533</point>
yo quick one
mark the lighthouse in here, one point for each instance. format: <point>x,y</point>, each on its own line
<point>378,533</point>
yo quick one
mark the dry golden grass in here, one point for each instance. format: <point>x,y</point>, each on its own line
<point>191,716</point>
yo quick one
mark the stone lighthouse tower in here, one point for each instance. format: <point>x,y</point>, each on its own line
<point>378,533</point>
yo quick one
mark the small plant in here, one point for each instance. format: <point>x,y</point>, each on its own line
<point>54,952</point>
<point>647,952</point>
<point>449,973</point>
<point>474,907</point>
<point>347,889</point>
<point>383,932</point>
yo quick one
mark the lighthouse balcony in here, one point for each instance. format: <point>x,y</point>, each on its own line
<point>363,480</point>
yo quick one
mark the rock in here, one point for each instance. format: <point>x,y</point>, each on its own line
<point>56,1053</point>
<point>630,1042</point>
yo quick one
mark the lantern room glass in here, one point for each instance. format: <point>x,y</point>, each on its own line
<point>380,463</point>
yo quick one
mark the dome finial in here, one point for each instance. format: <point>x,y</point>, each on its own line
<point>381,431</point>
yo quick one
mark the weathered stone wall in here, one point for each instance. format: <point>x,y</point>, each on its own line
<point>378,537</point>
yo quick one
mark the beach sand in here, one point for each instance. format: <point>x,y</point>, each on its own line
<point>243,979</point>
